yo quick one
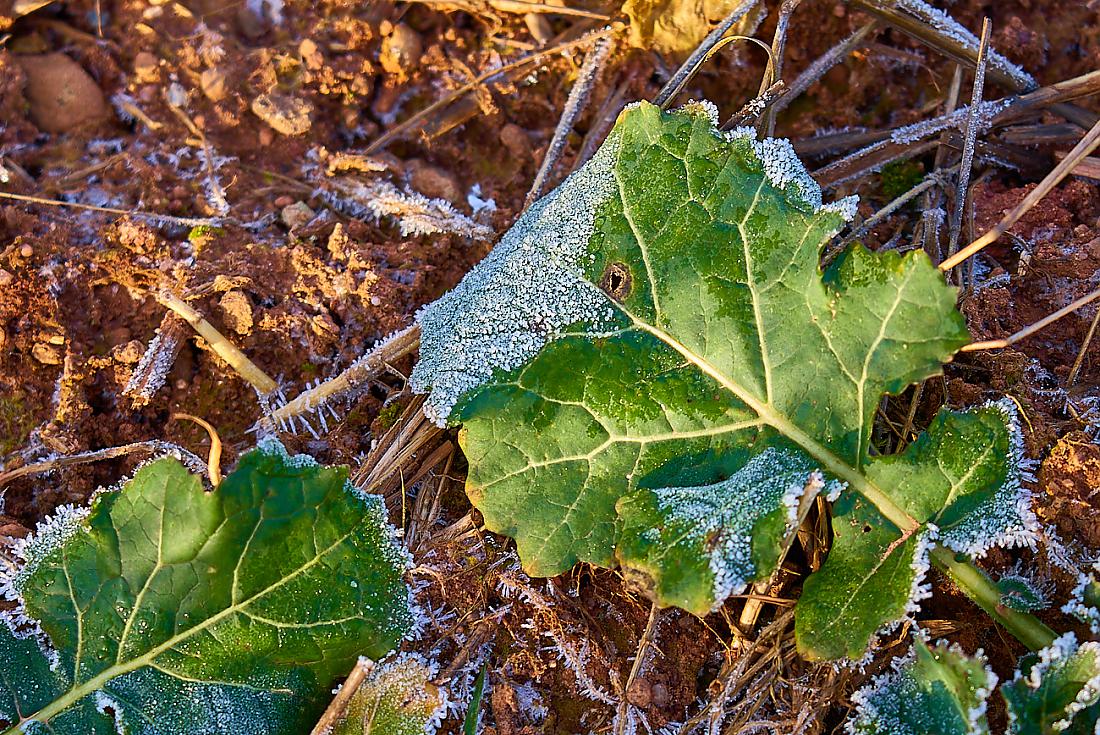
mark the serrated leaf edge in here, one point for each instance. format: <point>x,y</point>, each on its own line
<point>1013,494</point>
<point>860,698</point>
<point>1063,647</point>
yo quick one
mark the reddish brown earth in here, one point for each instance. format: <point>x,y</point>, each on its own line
<point>85,117</point>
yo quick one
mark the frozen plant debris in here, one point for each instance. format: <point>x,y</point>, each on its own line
<point>232,648</point>
<point>950,27</point>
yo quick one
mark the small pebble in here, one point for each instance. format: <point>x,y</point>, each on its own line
<point>516,141</point>
<point>659,694</point>
<point>433,181</point>
<point>146,68</point>
<point>5,277</point>
<point>213,85</point>
<point>401,51</point>
<point>266,136</point>
<point>237,311</point>
<point>60,93</point>
<point>285,114</point>
<point>283,201</point>
<point>26,251</point>
<point>311,55</point>
<point>296,215</point>
<point>46,354</point>
<point>129,353</point>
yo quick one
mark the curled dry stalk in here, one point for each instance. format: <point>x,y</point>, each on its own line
<point>152,446</point>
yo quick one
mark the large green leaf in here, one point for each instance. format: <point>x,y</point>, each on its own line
<point>1057,691</point>
<point>631,351</point>
<point>181,610</point>
<point>936,690</point>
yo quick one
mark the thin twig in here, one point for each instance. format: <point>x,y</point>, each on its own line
<point>1080,360</point>
<point>578,97</point>
<point>822,64</point>
<point>366,368</point>
<point>338,707</point>
<point>691,65</point>
<point>774,71</point>
<point>972,123</point>
<point>518,6</point>
<point>621,716</point>
<point>1087,145</point>
<point>994,344</point>
<point>151,447</point>
<point>185,221</point>
<point>214,460</point>
<point>221,346</point>
<point>407,125</point>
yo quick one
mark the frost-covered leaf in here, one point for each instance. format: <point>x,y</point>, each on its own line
<point>1020,592</point>
<point>961,480</point>
<point>177,610</point>
<point>1085,602</point>
<point>396,698</point>
<point>693,546</point>
<point>935,690</point>
<point>657,324</point>
<point>1056,691</point>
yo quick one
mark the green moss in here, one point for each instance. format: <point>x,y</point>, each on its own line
<point>388,416</point>
<point>16,422</point>
<point>899,177</point>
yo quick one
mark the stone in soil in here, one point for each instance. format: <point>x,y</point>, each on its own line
<point>285,114</point>
<point>61,94</point>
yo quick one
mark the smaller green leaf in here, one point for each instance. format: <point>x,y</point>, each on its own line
<point>1019,592</point>
<point>473,712</point>
<point>933,691</point>
<point>1056,691</point>
<point>211,613</point>
<point>695,546</point>
<point>961,480</point>
<point>396,698</point>
<point>1085,602</point>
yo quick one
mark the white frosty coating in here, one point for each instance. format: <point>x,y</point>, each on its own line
<point>957,119</point>
<point>959,33</point>
<point>876,703</point>
<point>722,516</point>
<point>920,589</point>
<point>1078,608</point>
<point>531,286</point>
<point>520,297</point>
<point>415,213</point>
<point>1005,520</point>
<point>1052,660</point>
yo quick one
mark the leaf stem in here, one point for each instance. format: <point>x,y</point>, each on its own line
<point>1028,629</point>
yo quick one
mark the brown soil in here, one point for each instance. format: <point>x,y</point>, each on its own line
<point>108,110</point>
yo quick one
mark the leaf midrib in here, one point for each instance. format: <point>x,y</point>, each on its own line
<point>769,415</point>
<point>77,693</point>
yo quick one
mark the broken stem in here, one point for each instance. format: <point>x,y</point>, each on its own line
<point>996,344</point>
<point>365,368</point>
<point>221,346</point>
<point>1028,629</point>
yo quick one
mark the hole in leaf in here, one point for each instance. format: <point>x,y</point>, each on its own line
<point>866,528</point>
<point>616,281</point>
